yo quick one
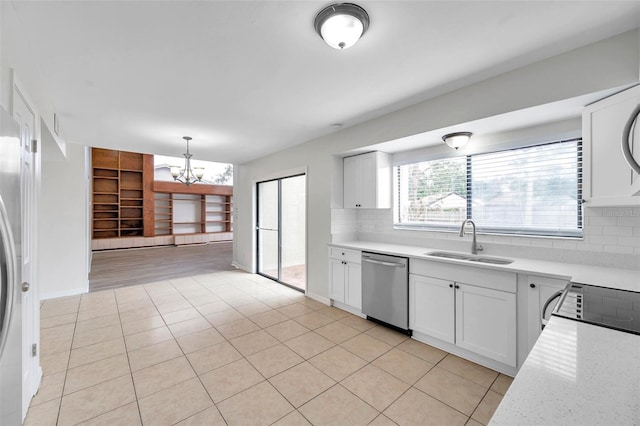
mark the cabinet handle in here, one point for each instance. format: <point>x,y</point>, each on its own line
<point>450,285</point>
<point>457,286</point>
<point>532,285</point>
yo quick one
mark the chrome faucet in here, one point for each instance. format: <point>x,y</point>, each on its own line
<point>475,247</point>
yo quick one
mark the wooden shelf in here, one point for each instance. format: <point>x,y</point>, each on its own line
<point>119,193</point>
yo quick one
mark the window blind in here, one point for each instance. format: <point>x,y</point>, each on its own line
<point>526,191</point>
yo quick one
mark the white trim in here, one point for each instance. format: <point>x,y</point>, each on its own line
<point>318,298</point>
<point>241,267</point>
<point>350,309</point>
<point>466,354</point>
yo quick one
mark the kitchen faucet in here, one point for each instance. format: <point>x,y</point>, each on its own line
<point>475,247</point>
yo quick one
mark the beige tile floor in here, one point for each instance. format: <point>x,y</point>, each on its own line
<point>238,349</point>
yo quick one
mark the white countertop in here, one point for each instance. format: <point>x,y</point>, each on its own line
<point>624,279</point>
<point>576,374</point>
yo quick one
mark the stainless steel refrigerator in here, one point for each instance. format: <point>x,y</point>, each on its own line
<point>10,273</point>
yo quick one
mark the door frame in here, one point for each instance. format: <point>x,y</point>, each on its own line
<point>256,234</point>
<point>18,89</point>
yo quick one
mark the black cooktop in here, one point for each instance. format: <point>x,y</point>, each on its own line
<point>603,306</point>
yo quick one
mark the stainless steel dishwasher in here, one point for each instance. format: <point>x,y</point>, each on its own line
<point>385,289</point>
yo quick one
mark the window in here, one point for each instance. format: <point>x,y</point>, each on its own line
<point>526,191</point>
<point>214,173</point>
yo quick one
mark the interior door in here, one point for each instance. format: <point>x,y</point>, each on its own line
<point>26,118</point>
<point>281,230</point>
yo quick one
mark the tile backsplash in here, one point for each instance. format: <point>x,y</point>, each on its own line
<point>611,237</point>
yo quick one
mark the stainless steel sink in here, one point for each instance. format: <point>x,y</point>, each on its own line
<point>470,257</point>
<point>449,255</point>
<point>493,260</point>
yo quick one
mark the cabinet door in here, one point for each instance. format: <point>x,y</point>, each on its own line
<point>431,307</point>
<point>608,180</point>
<point>352,180</point>
<point>486,322</point>
<point>367,181</point>
<point>353,287</point>
<point>540,289</point>
<point>337,277</point>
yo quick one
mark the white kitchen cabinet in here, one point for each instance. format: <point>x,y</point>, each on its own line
<point>346,277</point>
<point>607,178</point>
<point>539,290</point>
<point>486,322</point>
<point>431,307</point>
<point>470,308</point>
<point>367,181</point>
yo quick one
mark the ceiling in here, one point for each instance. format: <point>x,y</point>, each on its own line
<point>248,78</point>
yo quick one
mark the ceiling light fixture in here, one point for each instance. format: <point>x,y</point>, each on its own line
<point>187,175</point>
<point>457,140</point>
<point>342,24</point>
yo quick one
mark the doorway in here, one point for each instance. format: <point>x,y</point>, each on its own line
<point>282,230</point>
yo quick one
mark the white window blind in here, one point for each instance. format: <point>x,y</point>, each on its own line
<point>526,191</point>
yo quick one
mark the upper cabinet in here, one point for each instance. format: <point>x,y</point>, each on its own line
<point>608,180</point>
<point>367,181</point>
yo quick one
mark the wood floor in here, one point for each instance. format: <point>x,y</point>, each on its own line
<point>119,268</point>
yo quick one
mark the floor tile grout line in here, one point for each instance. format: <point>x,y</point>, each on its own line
<point>133,383</point>
<point>66,372</point>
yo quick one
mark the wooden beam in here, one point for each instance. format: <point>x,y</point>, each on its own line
<point>196,188</point>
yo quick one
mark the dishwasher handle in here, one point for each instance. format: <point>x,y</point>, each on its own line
<point>380,262</point>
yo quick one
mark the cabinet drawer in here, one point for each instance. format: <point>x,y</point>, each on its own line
<point>498,280</point>
<point>347,255</point>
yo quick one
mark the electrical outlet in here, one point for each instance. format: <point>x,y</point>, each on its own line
<point>617,212</point>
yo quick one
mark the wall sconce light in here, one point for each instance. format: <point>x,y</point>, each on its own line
<point>342,24</point>
<point>457,139</point>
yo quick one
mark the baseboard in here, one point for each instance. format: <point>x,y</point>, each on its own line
<point>466,354</point>
<point>242,267</point>
<point>350,309</point>
<point>321,299</point>
<point>64,293</point>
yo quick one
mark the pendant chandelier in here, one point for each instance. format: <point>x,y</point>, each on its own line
<point>187,175</point>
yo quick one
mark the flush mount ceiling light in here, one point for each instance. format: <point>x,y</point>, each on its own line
<point>187,175</point>
<point>342,24</point>
<point>457,139</point>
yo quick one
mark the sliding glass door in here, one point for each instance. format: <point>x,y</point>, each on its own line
<point>281,230</point>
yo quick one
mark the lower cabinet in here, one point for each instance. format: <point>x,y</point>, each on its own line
<point>346,277</point>
<point>432,307</point>
<point>472,317</point>
<point>486,322</point>
<point>543,295</point>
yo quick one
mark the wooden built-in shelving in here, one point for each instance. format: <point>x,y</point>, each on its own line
<point>128,202</point>
<point>118,193</point>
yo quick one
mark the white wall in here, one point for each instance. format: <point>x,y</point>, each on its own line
<point>62,239</point>
<point>62,225</point>
<point>603,65</point>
